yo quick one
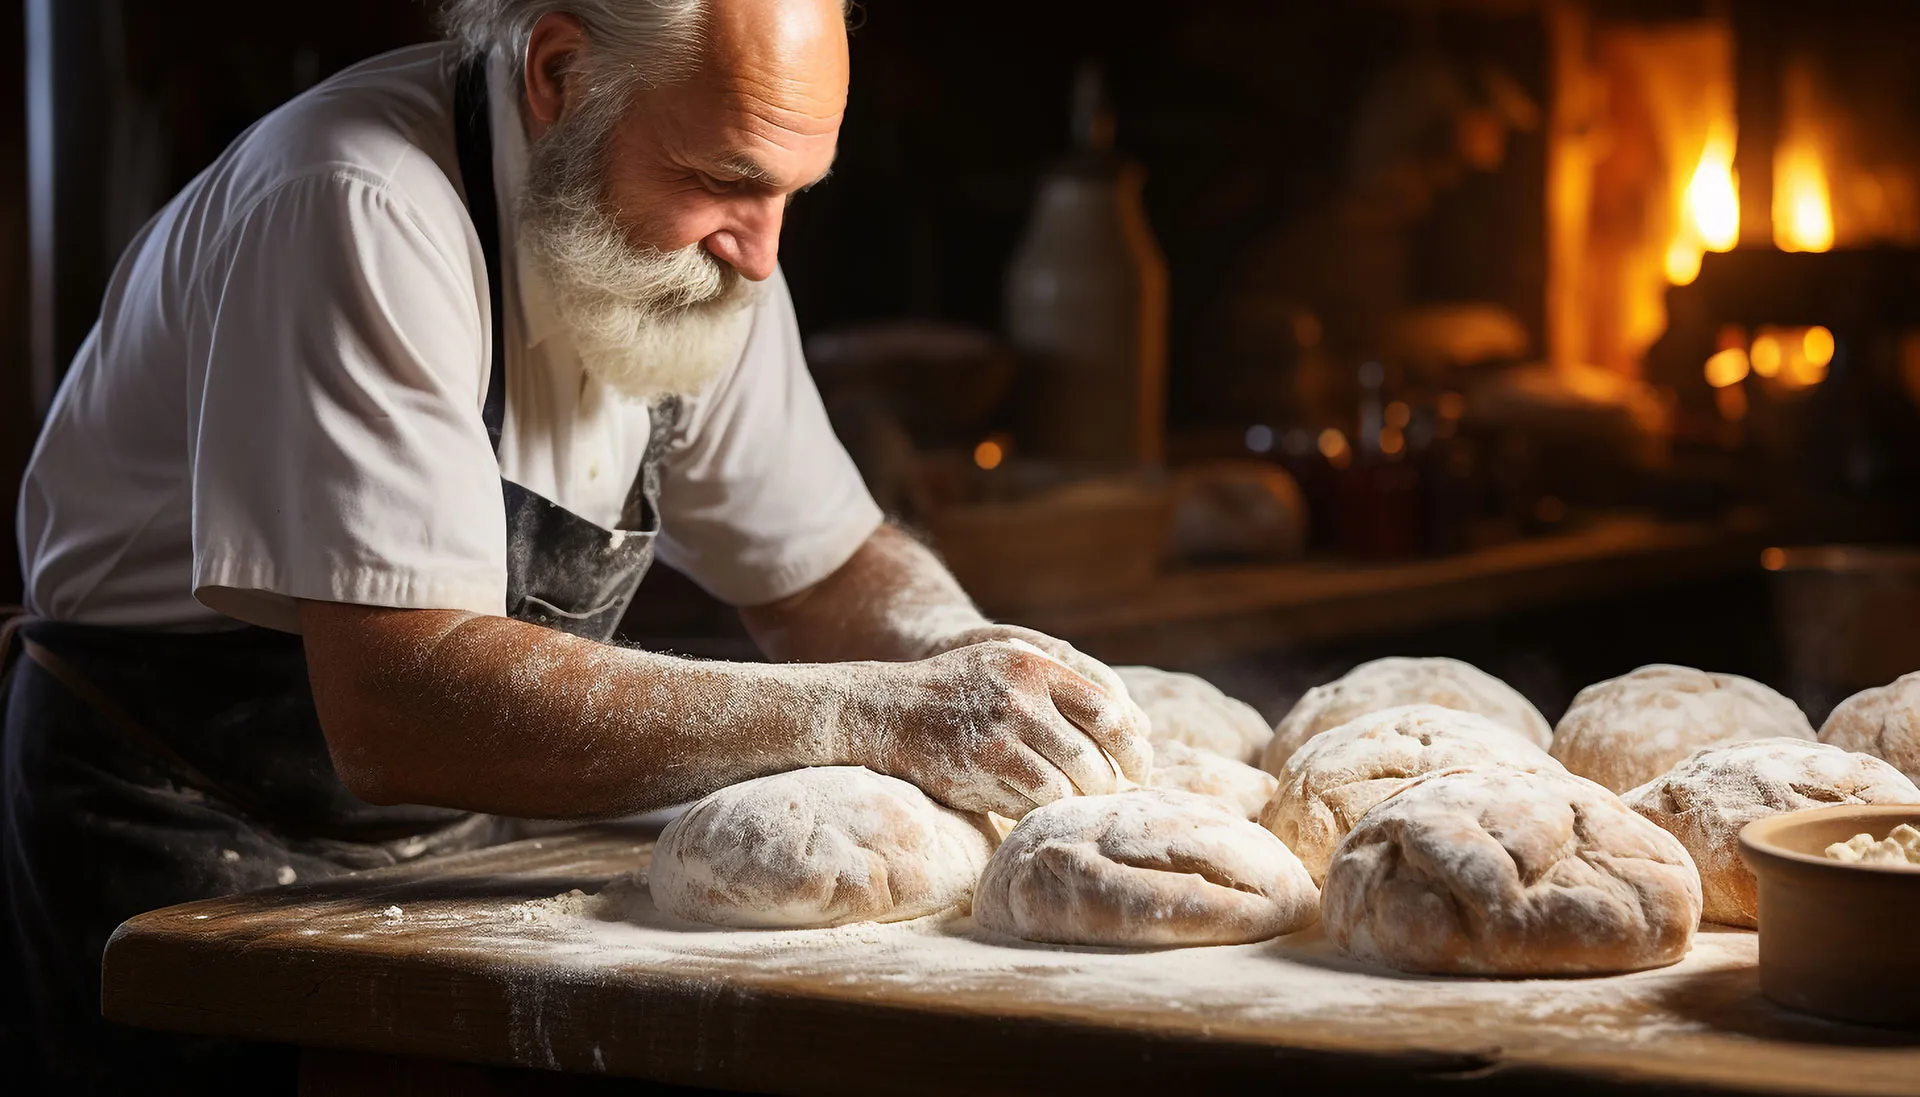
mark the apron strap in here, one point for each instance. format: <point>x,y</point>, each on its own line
<point>12,620</point>
<point>473,141</point>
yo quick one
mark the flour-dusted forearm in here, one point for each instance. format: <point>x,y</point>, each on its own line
<point>893,599</point>
<point>490,714</point>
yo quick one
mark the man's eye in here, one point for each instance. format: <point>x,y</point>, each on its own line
<point>719,186</point>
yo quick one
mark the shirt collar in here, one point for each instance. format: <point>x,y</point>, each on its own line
<point>537,319</point>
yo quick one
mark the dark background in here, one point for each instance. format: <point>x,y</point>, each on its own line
<point>1243,114</point>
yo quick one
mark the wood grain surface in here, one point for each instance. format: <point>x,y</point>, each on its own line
<point>466,969</point>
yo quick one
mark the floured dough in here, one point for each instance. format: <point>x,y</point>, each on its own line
<point>1332,781</point>
<point>1495,871</point>
<point>1185,708</point>
<point>1390,683</point>
<point>1146,868</point>
<point>1711,794</point>
<point>1235,784</point>
<point>1901,847</point>
<point>1883,721</point>
<point>1628,730</point>
<point>817,847</point>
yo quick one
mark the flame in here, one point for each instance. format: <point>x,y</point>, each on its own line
<point>1713,201</point>
<point>1683,261</point>
<point>1802,210</point>
<point>1709,213</point>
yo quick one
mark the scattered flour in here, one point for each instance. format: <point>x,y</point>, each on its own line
<point>1299,982</point>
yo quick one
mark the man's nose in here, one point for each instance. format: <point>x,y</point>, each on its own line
<point>750,243</point>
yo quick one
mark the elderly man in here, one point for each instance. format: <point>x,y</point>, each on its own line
<point>386,415</point>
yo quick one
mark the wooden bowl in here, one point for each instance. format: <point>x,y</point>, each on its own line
<point>1837,939</point>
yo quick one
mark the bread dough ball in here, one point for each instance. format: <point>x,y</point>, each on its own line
<point>1495,871</point>
<point>1390,683</point>
<point>1235,784</point>
<point>1185,708</point>
<point>1147,868</point>
<point>1712,793</point>
<point>817,847</point>
<point>1341,773</point>
<point>1883,721</point>
<point>1628,730</point>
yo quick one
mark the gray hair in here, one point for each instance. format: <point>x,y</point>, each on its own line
<point>654,41</point>
<point>645,43</point>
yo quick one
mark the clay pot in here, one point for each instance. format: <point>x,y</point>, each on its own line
<point>1837,939</point>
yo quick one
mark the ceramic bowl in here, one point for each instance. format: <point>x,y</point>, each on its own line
<point>1837,939</point>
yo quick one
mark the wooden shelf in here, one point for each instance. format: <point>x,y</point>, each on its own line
<point>1193,616</point>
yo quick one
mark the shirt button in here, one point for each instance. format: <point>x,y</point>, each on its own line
<point>593,469</point>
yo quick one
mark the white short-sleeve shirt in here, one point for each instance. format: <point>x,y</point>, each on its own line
<point>282,397</point>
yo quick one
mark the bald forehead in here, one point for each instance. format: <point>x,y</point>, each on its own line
<point>792,52</point>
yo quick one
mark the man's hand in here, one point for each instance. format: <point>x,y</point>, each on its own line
<point>1085,665</point>
<point>1000,726</point>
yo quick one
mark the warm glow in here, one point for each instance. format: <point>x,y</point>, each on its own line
<point>1802,209</point>
<point>1732,403</point>
<point>1392,441</point>
<point>1773,559</point>
<point>1683,262</point>
<point>1766,355</point>
<point>1713,201</point>
<point>1729,367</point>
<point>989,454</point>
<point>1398,415</point>
<point>1333,446</point>
<point>1818,344</point>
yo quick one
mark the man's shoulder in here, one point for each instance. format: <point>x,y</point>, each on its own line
<point>385,123</point>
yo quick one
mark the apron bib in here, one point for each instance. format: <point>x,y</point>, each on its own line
<point>146,769</point>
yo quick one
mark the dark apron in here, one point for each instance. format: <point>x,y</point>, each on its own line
<point>146,769</point>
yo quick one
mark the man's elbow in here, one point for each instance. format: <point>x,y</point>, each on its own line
<point>369,772</point>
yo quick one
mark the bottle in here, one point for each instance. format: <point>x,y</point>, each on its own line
<point>1086,302</point>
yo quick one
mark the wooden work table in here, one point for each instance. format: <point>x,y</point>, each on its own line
<point>462,961</point>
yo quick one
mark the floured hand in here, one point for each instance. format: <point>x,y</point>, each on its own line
<point>1095,671</point>
<point>1002,726</point>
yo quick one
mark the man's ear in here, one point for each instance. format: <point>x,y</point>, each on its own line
<point>552,48</point>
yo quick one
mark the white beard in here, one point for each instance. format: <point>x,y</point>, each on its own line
<point>646,323</point>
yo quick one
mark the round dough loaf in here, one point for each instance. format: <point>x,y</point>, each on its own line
<point>1628,730</point>
<point>1393,682</point>
<point>817,847</point>
<point>1712,793</point>
<point>1883,721</point>
<point>1185,708</point>
<point>1494,871</point>
<point>1148,868</point>
<point>1341,773</point>
<point>1235,784</point>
